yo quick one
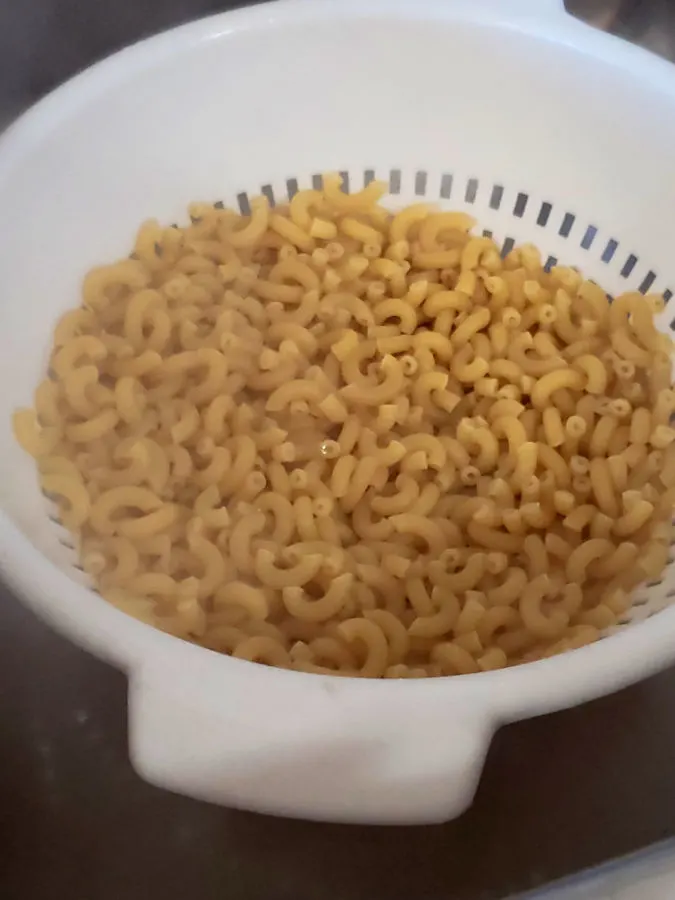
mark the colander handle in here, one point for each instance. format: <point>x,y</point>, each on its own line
<point>406,760</point>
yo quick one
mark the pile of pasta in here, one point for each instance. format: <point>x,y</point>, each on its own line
<point>330,438</point>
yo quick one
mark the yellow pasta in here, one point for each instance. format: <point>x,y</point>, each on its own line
<point>322,609</point>
<point>372,636</point>
<point>262,649</point>
<point>555,381</point>
<point>73,491</point>
<point>453,659</point>
<point>531,607</point>
<point>595,372</point>
<point>330,438</point>
<point>438,623</point>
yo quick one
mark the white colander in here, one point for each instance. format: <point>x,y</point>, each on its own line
<point>546,130</point>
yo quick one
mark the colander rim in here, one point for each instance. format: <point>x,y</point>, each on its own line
<point>516,692</point>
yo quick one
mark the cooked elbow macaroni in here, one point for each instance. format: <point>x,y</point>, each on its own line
<point>331,439</point>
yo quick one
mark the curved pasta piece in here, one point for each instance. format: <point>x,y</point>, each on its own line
<point>427,530</point>
<point>582,556</point>
<point>603,487</point>
<point>357,308</point>
<point>426,504</point>
<point>440,622</point>
<point>495,619</point>
<point>511,588</point>
<point>126,562</point>
<point>390,455</point>
<point>361,478</point>
<point>263,649</point>
<point>492,539</point>
<point>214,567</point>
<point>494,658</point>
<point>356,202</point>
<point>433,228</point>
<point>93,429</point>
<point>72,324</point>
<point>484,439</point>
<point>464,580</point>
<point>437,343</point>
<point>634,519</point>
<point>534,366</point>
<point>394,631</point>
<point>554,462</point>
<point>534,549</point>
<point>535,515</point>
<point>368,529</point>
<point>130,399</point>
<point>555,381</point>
<point>372,637</point>
<point>512,430</point>
<point>47,400</point>
<point>627,349</point>
<point>119,499</point>
<point>244,460</point>
<point>474,322</point>
<point>471,614</point>
<point>327,607</point>
<point>595,372</point>
<point>554,431</point>
<point>151,524</point>
<point>394,308</point>
<point>534,617</point>
<point>282,512</point>
<point>216,372</point>
<point>427,387</point>
<point>376,395</point>
<point>243,596</point>
<point>419,597</point>
<point>291,391</point>
<point>305,523</point>
<point>295,576</point>
<point>383,583</point>
<point>302,337</point>
<point>301,206</point>
<point>467,366</point>
<point>138,607</point>
<point>632,310</point>
<point>453,659</point>
<point>84,347</point>
<point>474,250</point>
<point>216,471</point>
<point>74,492</point>
<point>256,226</point>
<point>240,540</point>
<point>187,423</point>
<point>334,652</point>
<point>77,384</point>
<point>152,584</point>
<point>402,223</point>
<point>136,315</point>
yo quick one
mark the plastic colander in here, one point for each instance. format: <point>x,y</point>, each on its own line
<point>544,129</point>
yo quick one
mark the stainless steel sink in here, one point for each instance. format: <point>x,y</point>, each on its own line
<point>647,22</point>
